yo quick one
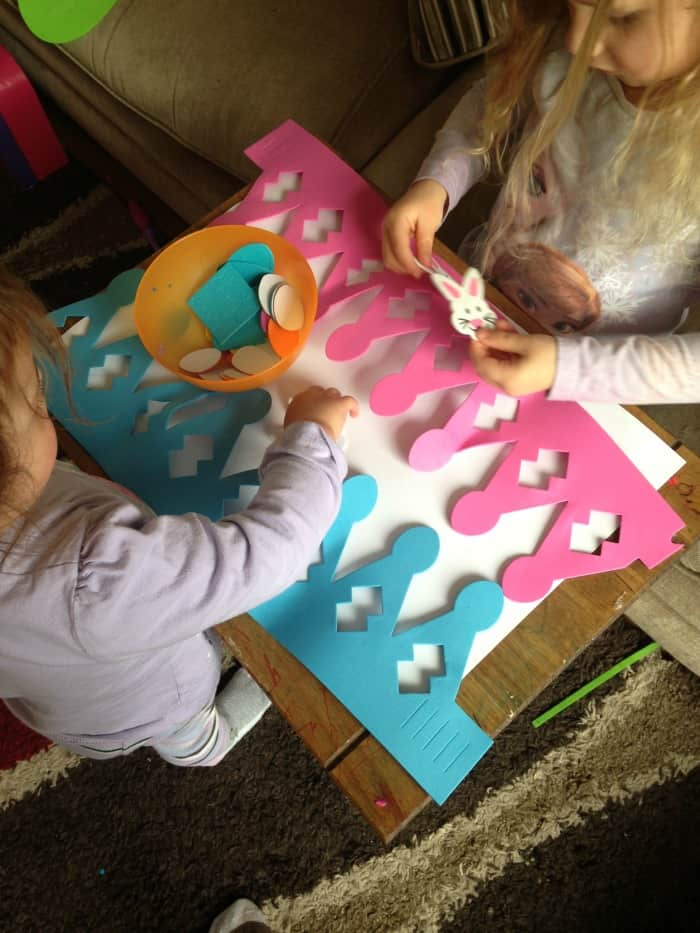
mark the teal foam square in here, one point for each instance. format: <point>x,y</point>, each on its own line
<point>226,304</point>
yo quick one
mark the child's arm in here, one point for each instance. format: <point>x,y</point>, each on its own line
<point>639,370</point>
<point>449,162</point>
<point>631,370</point>
<point>143,584</point>
<point>445,176</point>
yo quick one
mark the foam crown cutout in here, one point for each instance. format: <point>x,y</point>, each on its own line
<point>168,442</point>
<point>428,733</point>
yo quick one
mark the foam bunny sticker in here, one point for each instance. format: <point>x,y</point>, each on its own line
<point>469,310</point>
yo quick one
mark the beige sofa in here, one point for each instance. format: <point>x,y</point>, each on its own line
<point>176,91</point>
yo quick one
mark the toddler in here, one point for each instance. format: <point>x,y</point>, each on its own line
<point>591,110</point>
<point>106,611</point>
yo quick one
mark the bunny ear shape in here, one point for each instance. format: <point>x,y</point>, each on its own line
<point>473,283</point>
<point>447,287</point>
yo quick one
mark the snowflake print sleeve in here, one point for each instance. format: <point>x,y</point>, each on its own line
<point>630,370</point>
<point>565,257</point>
<point>449,161</point>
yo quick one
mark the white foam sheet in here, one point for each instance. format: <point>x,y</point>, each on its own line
<point>379,445</point>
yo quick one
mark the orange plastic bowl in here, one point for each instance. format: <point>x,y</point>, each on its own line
<point>169,329</point>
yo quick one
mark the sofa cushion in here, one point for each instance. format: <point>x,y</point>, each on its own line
<point>190,184</point>
<point>217,75</point>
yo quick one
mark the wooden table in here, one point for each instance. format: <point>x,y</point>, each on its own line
<point>500,687</point>
<point>495,691</point>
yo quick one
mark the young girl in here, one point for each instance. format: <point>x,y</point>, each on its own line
<point>594,106</point>
<point>106,612</point>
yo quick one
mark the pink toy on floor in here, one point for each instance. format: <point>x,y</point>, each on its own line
<point>25,118</point>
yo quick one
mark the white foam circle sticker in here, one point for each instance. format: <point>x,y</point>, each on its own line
<point>287,309</point>
<point>199,361</point>
<point>267,286</point>
<point>254,359</point>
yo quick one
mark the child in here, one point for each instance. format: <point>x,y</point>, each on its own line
<point>106,612</point>
<point>596,107</point>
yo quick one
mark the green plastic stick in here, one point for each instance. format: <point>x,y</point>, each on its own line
<point>593,684</point>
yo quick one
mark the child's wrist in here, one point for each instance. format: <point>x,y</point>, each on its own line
<point>327,428</point>
<point>435,189</point>
<point>321,424</point>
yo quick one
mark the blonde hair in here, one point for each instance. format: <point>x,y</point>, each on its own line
<point>512,139</point>
<point>23,323</point>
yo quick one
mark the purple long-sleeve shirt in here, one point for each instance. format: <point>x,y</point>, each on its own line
<point>104,608</point>
<point>569,269</point>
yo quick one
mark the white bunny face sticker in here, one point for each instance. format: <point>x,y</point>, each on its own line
<point>469,310</point>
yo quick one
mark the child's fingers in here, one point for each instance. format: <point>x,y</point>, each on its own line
<point>517,363</point>
<point>352,406</point>
<point>492,364</point>
<point>493,370</point>
<point>388,248</point>
<point>348,402</point>
<point>509,341</point>
<point>502,324</point>
<point>396,249</point>
<point>425,236</point>
<point>388,255</point>
<point>479,350</point>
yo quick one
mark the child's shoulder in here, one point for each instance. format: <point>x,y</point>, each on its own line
<point>76,501</point>
<point>600,92</point>
<point>553,70</point>
<point>68,482</point>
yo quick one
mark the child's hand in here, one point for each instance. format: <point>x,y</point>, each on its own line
<point>418,213</point>
<point>326,407</point>
<point>517,363</point>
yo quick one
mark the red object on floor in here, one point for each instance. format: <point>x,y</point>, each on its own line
<point>17,741</point>
<point>25,118</point>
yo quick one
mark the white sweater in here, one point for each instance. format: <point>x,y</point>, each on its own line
<point>572,276</point>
